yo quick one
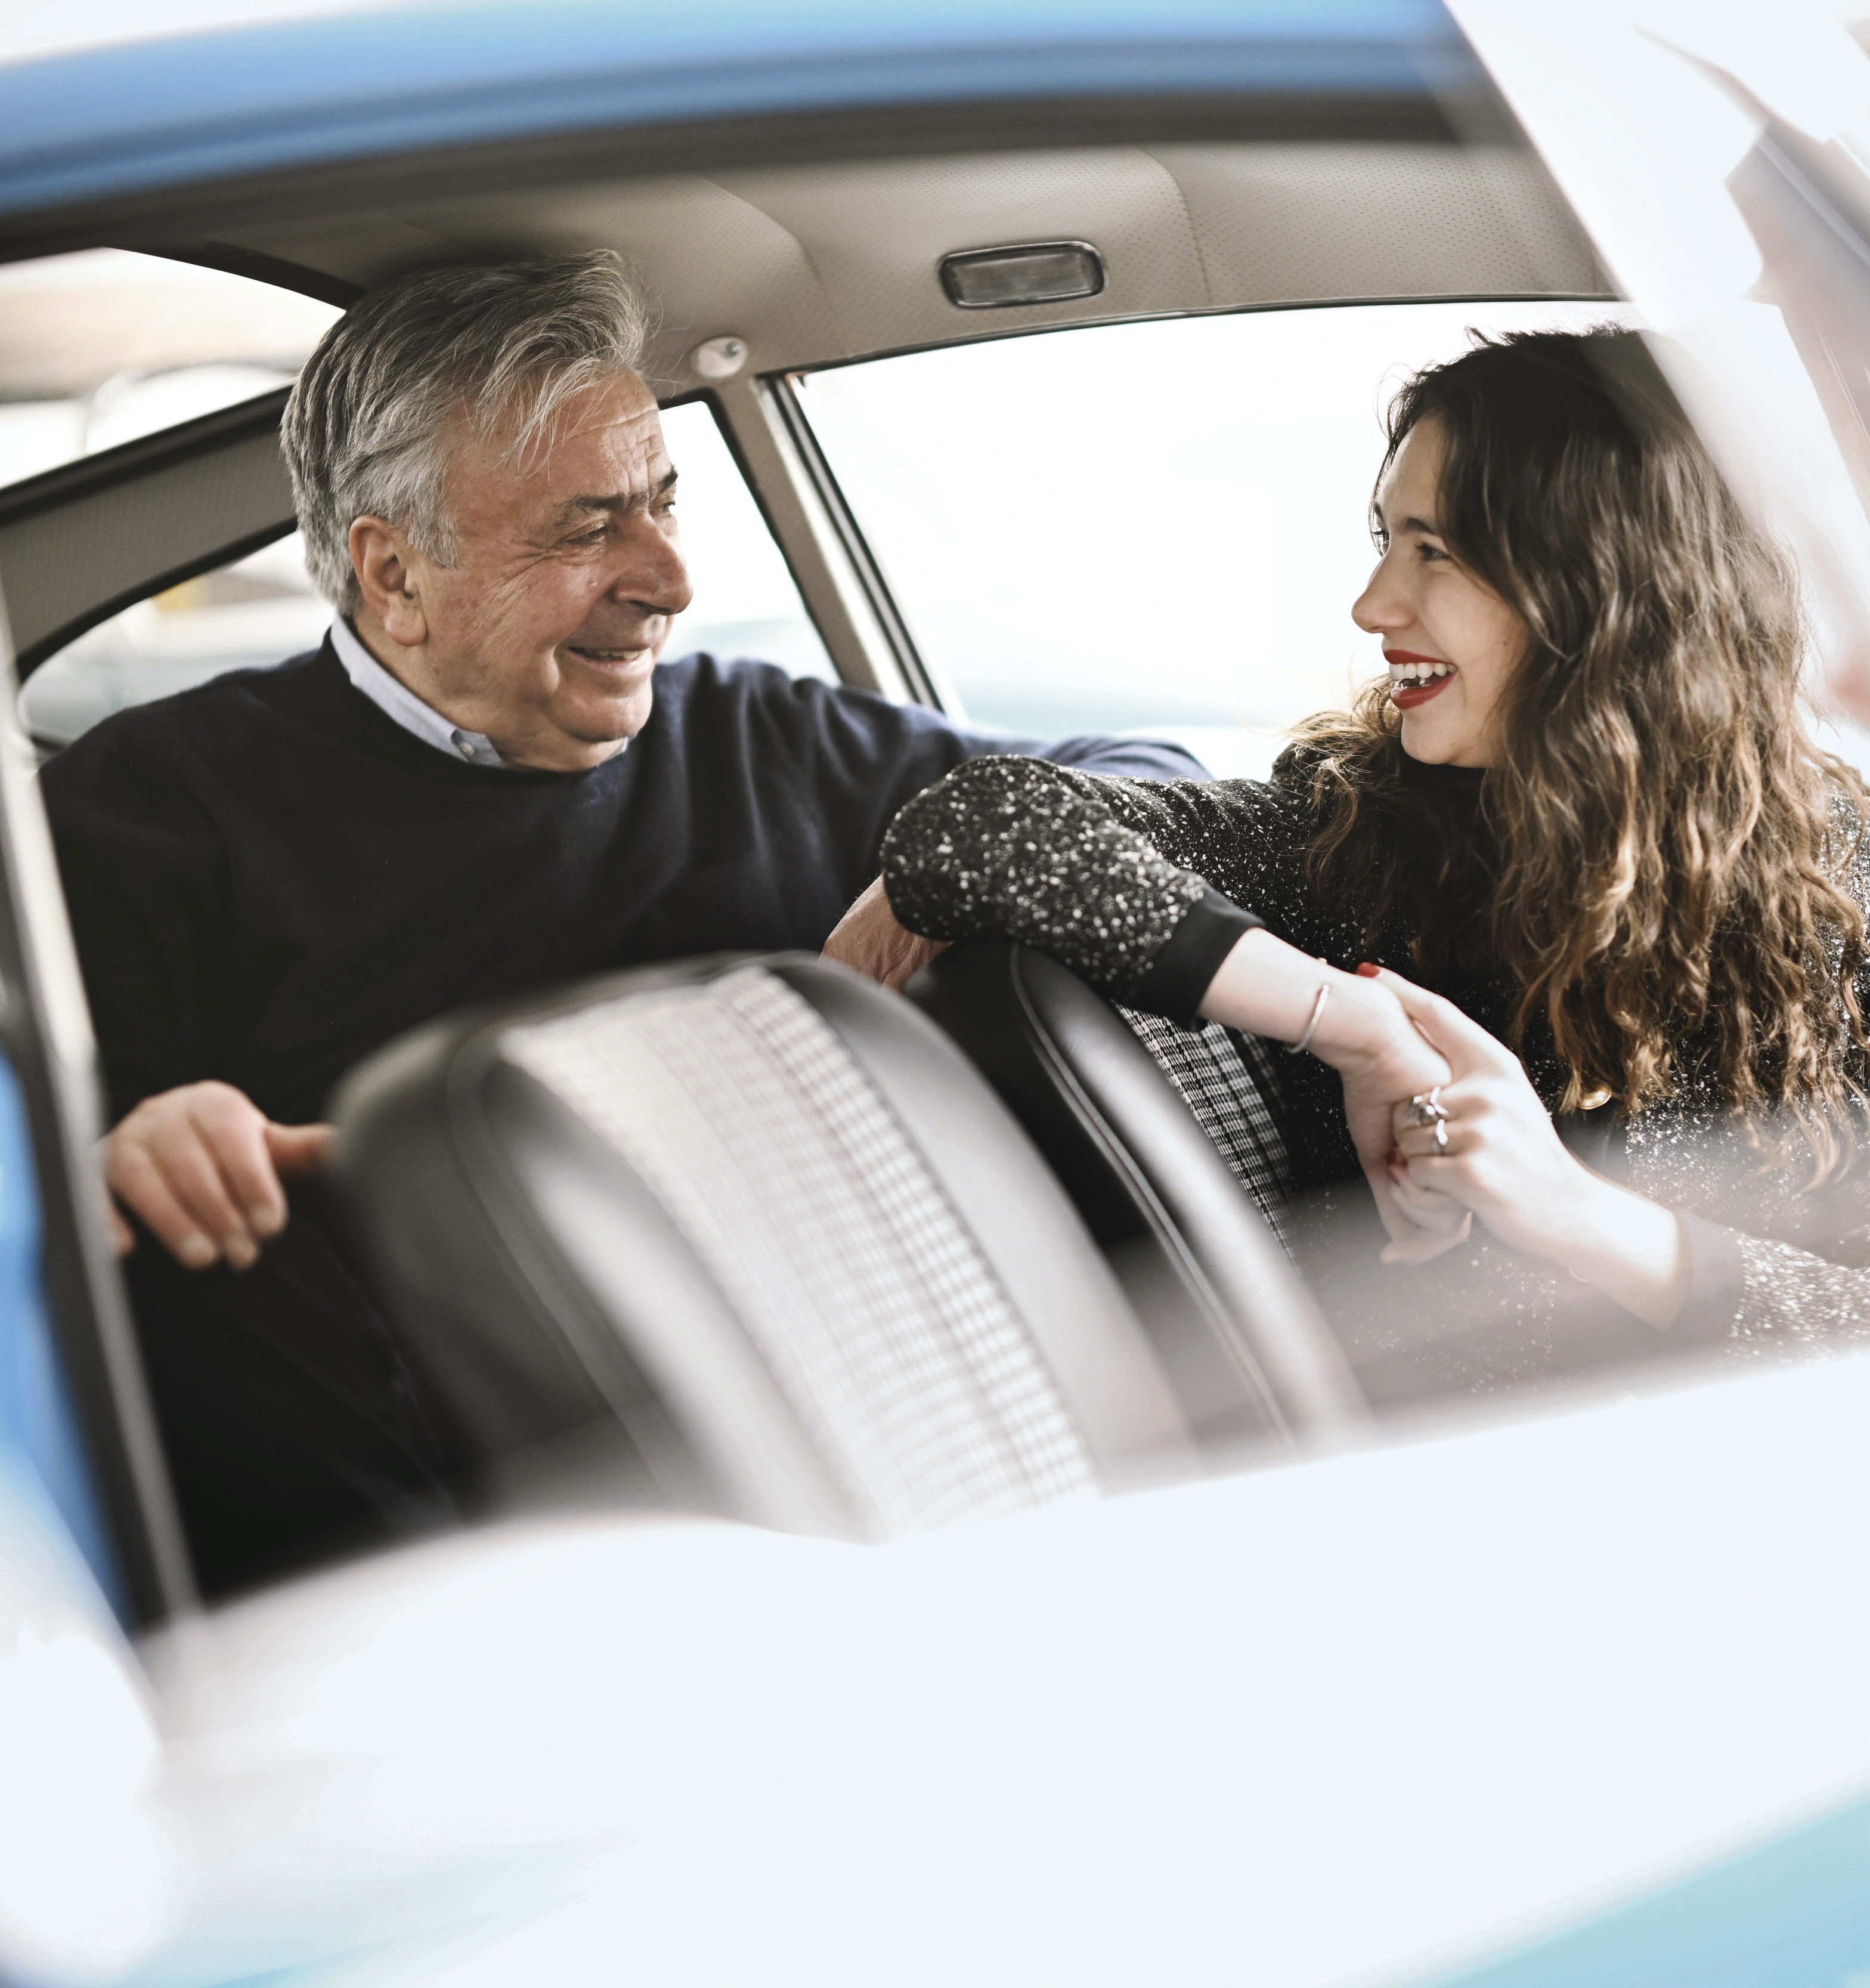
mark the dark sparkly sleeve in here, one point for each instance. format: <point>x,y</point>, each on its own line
<point>1790,1297</point>
<point>1808,1286</point>
<point>1014,848</point>
<point>1761,1294</point>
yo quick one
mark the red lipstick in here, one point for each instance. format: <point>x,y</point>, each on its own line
<point>1409,696</point>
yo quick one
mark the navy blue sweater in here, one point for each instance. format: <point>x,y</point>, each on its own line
<point>268,878</point>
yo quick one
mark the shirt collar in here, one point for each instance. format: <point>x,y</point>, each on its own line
<point>395,699</point>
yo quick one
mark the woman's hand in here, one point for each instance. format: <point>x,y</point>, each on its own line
<point>1502,1158</point>
<point>1383,1060</point>
<point>1269,987</point>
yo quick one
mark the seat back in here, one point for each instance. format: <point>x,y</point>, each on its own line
<point>1231,1085</point>
<point>1168,1141</point>
<point>761,1226</point>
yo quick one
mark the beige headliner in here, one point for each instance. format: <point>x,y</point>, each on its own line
<point>825,262</point>
<point>812,265</point>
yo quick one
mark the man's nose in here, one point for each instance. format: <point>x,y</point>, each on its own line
<point>655,575</point>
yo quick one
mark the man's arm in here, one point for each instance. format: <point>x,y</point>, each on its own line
<point>1096,752</point>
<point>867,757</point>
<point>146,887</point>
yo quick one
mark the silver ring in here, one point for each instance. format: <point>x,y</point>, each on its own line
<point>1426,1108</point>
<point>1441,1134</point>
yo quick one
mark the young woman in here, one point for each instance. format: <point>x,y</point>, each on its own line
<point>1577,860</point>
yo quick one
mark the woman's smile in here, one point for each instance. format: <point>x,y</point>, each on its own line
<point>1421,592</point>
<point>1414,679</point>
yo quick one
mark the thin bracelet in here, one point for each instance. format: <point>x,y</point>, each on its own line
<point>1312,1027</point>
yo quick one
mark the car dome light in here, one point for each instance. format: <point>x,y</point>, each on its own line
<point>718,358</point>
<point>1037,272</point>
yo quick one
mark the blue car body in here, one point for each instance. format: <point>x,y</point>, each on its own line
<point>139,119</point>
<point>262,100</point>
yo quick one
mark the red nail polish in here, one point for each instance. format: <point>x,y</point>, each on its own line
<point>1368,971</point>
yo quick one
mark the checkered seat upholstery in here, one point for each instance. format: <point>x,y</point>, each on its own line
<point>754,1235</point>
<point>1230,1084</point>
<point>1168,1141</point>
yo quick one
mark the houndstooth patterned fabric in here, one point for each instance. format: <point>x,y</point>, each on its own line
<point>1228,1080</point>
<point>795,1184</point>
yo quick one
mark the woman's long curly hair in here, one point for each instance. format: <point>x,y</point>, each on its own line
<point>1655,866</point>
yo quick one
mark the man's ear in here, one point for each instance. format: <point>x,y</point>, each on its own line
<point>387,579</point>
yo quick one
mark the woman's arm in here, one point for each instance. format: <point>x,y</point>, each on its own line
<point>1634,1250</point>
<point>1497,1152</point>
<point>1007,848</point>
<point>1766,1293</point>
<point>1503,1160</point>
<point>1103,875</point>
<point>1358,1026</point>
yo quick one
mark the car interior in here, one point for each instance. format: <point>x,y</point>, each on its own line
<point>744,1235</point>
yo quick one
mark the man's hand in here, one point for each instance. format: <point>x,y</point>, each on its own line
<point>870,940</point>
<point>200,1167</point>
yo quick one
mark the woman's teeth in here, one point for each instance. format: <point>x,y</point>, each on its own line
<point>1410,673</point>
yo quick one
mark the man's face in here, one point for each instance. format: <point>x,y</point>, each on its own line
<point>567,574</point>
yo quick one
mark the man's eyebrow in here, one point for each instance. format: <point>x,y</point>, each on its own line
<point>641,501</point>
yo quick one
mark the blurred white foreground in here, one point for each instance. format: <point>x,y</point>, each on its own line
<point>1311,1723</point>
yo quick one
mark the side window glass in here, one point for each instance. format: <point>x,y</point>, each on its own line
<point>258,611</point>
<point>103,346</point>
<point>264,608</point>
<point>1156,527</point>
<point>746,604</point>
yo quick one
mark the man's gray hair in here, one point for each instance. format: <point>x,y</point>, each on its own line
<point>367,430</point>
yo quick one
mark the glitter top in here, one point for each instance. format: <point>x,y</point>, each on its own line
<point>1099,872</point>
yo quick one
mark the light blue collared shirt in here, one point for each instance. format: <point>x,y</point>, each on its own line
<point>395,699</point>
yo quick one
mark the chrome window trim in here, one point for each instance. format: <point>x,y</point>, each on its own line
<point>843,587</point>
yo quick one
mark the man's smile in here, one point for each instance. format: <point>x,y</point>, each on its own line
<point>639,652</point>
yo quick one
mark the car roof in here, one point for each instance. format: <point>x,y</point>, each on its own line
<point>764,171</point>
<point>264,97</point>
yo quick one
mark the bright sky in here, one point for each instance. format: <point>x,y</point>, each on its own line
<point>26,32</point>
<point>1145,525</point>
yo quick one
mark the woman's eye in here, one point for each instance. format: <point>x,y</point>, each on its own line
<point>1427,553</point>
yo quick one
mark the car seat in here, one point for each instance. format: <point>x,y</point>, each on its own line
<point>1168,1141</point>
<point>1171,1142</point>
<point>760,1228</point>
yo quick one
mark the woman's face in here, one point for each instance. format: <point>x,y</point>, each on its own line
<point>1451,643</point>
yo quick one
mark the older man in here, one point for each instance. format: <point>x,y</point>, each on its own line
<point>482,782</point>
